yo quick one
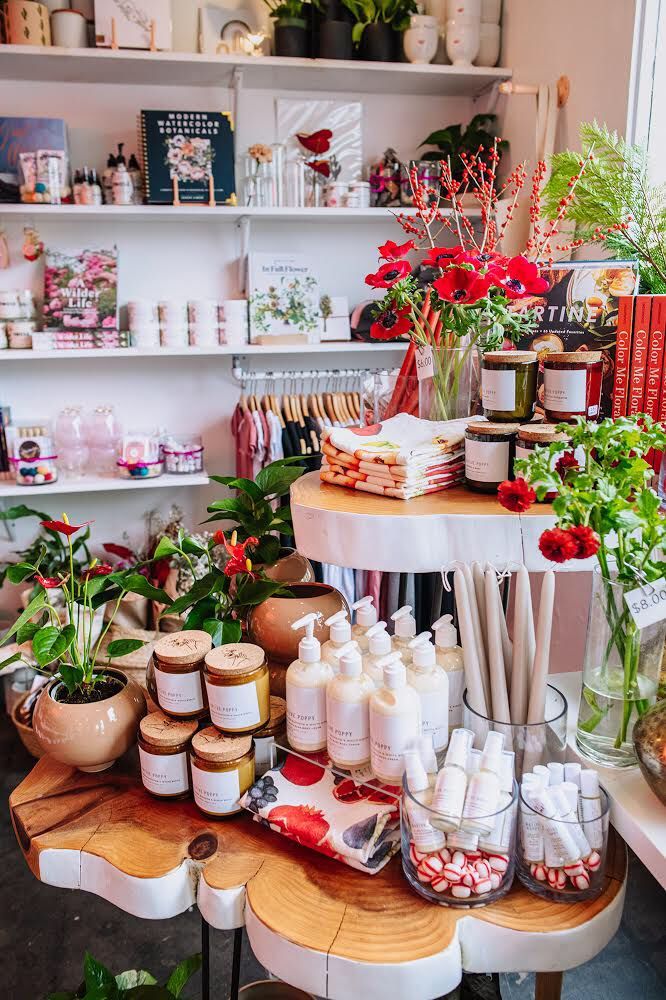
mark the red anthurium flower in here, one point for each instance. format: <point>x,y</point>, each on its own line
<point>517,496</point>
<point>238,560</point>
<point>219,538</point>
<point>565,462</point>
<point>440,256</point>
<point>461,286</point>
<point>322,167</point>
<point>388,274</point>
<point>48,582</point>
<point>118,550</point>
<point>316,142</point>
<point>100,569</point>
<point>522,278</point>
<point>391,322</point>
<point>64,527</point>
<point>160,571</point>
<point>587,541</point>
<point>392,251</point>
<point>558,545</point>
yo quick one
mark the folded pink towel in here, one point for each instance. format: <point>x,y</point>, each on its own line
<point>400,440</point>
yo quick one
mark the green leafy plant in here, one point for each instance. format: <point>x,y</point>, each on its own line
<point>100,983</point>
<point>395,13</point>
<point>454,140</point>
<point>48,547</point>
<point>287,10</point>
<point>615,201</point>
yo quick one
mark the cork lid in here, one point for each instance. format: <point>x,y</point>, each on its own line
<point>542,432</point>
<point>210,744</point>
<point>278,708</point>
<point>518,357</point>
<point>490,428</point>
<point>235,658</point>
<point>580,357</point>
<point>163,731</point>
<point>189,646</point>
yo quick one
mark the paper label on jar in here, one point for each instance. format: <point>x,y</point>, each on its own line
<point>564,391</point>
<point>348,731</point>
<point>306,716</point>
<point>487,461</point>
<point>216,791</point>
<point>390,736</point>
<point>164,774</point>
<point>456,688</point>
<point>498,389</point>
<point>233,706</point>
<point>179,693</point>
<point>435,717</point>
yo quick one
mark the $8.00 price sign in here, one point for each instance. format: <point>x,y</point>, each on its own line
<point>647,605</point>
<point>425,367</point>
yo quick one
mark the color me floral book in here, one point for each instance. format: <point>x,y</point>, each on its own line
<point>81,290</point>
<point>284,299</point>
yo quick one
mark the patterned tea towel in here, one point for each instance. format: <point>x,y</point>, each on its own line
<point>400,440</point>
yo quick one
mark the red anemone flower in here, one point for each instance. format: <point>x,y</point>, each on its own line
<point>586,539</point>
<point>118,550</point>
<point>391,322</point>
<point>388,274</point>
<point>557,545</point>
<point>322,167</point>
<point>392,251</point>
<point>481,260</point>
<point>316,142</point>
<point>48,582</point>
<point>238,559</point>
<point>461,286</point>
<point>517,496</point>
<point>522,278</point>
<point>440,256</point>
<point>63,527</point>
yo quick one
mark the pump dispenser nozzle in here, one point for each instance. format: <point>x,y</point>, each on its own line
<point>349,659</point>
<point>405,623</point>
<point>309,648</point>
<point>366,613</point>
<point>423,651</point>
<point>395,672</point>
<point>446,635</point>
<point>379,641</point>
<point>340,629</point>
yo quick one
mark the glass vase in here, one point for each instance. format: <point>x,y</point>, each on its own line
<point>620,674</point>
<point>451,390</point>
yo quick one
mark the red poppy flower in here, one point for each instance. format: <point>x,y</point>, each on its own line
<point>322,167</point>
<point>557,545</point>
<point>481,260</point>
<point>522,278</point>
<point>517,496</point>
<point>316,142</point>
<point>48,582</point>
<point>565,462</point>
<point>101,569</point>
<point>392,251</point>
<point>461,286</point>
<point>388,274</point>
<point>238,560</point>
<point>440,256</point>
<point>118,550</point>
<point>63,527</point>
<point>587,541</point>
<point>390,323</point>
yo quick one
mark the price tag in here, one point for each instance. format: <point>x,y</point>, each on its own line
<point>647,605</point>
<point>425,366</point>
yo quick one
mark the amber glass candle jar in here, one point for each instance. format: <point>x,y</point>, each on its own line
<point>572,385</point>
<point>531,436</point>
<point>237,686</point>
<point>509,385</point>
<point>222,771</point>
<point>164,748</point>
<point>488,454</point>
<point>275,731</point>
<point>177,673</point>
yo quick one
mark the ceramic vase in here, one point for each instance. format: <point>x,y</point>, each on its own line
<point>26,23</point>
<point>69,29</point>
<point>465,10</point>
<point>291,38</point>
<point>378,43</point>
<point>420,39</point>
<point>650,746</point>
<point>491,11</point>
<point>489,45</point>
<point>462,40</point>
<point>290,567</point>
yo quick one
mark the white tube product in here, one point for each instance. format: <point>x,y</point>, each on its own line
<point>542,770</point>
<point>450,659</point>
<point>590,808</point>
<point>340,634</point>
<point>347,718</point>
<point>306,682</point>
<point>559,846</point>
<point>572,773</point>
<point>530,823</point>
<point>379,646</point>
<point>426,750</point>
<point>403,632</point>
<point>395,721</point>
<point>426,838</point>
<point>432,686</point>
<point>366,617</point>
<point>556,771</point>
<point>565,798</point>
<point>483,789</point>
<point>499,838</point>
<point>449,796</point>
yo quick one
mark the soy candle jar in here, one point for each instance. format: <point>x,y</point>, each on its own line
<point>222,771</point>
<point>509,385</point>
<point>164,746</point>
<point>531,436</point>
<point>174,675</point>
<point>274,732</point>
<point>237,685</point>
<point>572,385</point>
<point>489,451</point>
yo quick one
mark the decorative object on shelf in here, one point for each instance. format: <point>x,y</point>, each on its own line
<point>649,738</point>
<point>25,137</point>
<point>283,299</point>
<point>489,454</point>
<point>222,771</point>
<point>384,179</point>
<point>453,143</point>
<point>334,311</point>
<point>327,133</point>
<point>378,26</point>
<point>490,39</point>
<point>291,27</point>
<point>133,24</point>
<point>572,386</point>
<point>140,456</point>
<point>509,385</point>
<point>32,454</point>
<point>463,30</point>
<point>33,247</point>
<point>20,333</point>
<point>624,649</point>
<point>237,685</point>
<point>259,183</point>
<point>223,30</point>
<point>174,674</point>
<point>26,23</point>
<point>103,436</point>
<point>536,435</point>
<point>333,30</point>
<point>421,38</point>
<point>70,442</point>
<point>183,454</point>
<point>69,29</point>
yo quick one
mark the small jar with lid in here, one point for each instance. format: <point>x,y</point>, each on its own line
<point>175,673</point>
<point>531,436</point>
<point>237,685</point>
<point>164,747</point>
<point>509,385</point>
<point>572,385</point>
<point>274,732</point>
<point>489,451</point>
<point>222,771</point>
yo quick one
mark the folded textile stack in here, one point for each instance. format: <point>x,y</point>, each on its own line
<point>403,457</point>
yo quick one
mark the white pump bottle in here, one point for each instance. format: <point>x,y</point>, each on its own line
<point>306,682</point>
<point>340,634</point>
<point>395,721</point>
<point>404,631</point>
<point>366,617</point>
<point>379,646</point>
<point>347,719</point>
<point>450,659</point>
<point>432,685</point>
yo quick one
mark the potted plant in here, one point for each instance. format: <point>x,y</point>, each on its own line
<point>455,141</point>
<point>88,713</point>
<point>378,26</point>
<point>48,547</point>
<point>332,34</point>
<point>291,27</point>
<point>99,983</point>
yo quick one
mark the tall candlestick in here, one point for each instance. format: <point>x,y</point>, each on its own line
<point>475,692</point>
<point>537,703</point>
<point>496,660</point>
<point>478,634</point>
<point>519,676</point>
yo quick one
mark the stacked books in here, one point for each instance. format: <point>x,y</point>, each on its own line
<point>639,357</point>
<point>402,458</point>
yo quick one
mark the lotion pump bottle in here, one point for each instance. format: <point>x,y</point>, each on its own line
<point>450,659</point>
<point>423,834</point>
<point>395,721</point>
<point>432,685</point>
<point>379,646</point>
<point>483,790</point>
<point>340,634</point>
<point>366,617</point>
<point>449,795</point>
<point>404,631</point>
<point>347,719</point>
<point>306,682</point>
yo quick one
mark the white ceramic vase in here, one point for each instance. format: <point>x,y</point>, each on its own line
<point>491,11</point>
<point>421,38</point>
<point>462,41</point>
<point>489,45</point>
<point>69,29</point>
<point>465,9</point>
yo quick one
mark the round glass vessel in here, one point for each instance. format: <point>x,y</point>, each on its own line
<point>489,451</point>
<point>174,673</point>
<point>509,385</point>
<point>572,385</point>
<point>237,686</point>
<point>164,745</point>
<point>275,731</point>
<point>222,771</point>
<point>531,436</point>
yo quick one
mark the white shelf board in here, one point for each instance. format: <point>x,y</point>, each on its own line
<point>636,812</point>
<point>247,350</point>
<point>178,69</point>
<point>204,213</point>
<point>101,484</point>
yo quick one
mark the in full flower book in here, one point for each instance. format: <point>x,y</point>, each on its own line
<point>190,146</point>
<point>81,291</point>
<point>284,299</point>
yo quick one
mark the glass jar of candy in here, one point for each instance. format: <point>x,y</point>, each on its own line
<point>33,455</point>
<point>183,454</point>
<point>140,456</point>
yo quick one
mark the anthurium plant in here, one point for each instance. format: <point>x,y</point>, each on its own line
<point>48,547</point>
<point>101,984</point>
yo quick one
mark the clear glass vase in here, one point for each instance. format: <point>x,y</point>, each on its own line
<point>620,674</point>
<point>451,390</point>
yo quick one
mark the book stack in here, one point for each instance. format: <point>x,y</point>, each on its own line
<point>639,357</point>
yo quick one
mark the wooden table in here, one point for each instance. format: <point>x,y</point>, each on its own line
<point>310,920</point>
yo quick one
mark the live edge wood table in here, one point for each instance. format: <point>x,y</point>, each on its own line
<point>311,921</point>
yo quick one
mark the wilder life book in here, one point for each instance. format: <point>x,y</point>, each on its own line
<point>190,147</point>
<point>284,299</point>
<point>81,290</point>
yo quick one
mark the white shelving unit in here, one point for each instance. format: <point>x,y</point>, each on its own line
<point>202,213</point>
<point>101,484</point>
<point>247,350</point>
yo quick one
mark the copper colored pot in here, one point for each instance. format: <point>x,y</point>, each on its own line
<point>291,567</point>
<point>650,745</point>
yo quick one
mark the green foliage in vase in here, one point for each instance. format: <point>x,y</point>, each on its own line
<point>101,984</point>
<point>395,13</point>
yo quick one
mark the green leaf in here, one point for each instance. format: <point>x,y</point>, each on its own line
<point>97,975</point>
<point>62,996</point>
<point>275,480</point>
<point>267,551</point>
<point>19,572</point>
<point>105,596</point>
<point>240,484</point>
<point>14,658</point>
<point>35,605</point>
<point>72,677</point>
<point>199,589</point>
<point>230,505</point>
<point>201,611</point>
<point>191,547</point>
<point>27,631</point>
<point>223,632</point>
<point>136,583</point>
<point>165,548</point>
<point>122,647</point>
<point>48,644</point>
<point>16,513</point>
<point>134,977</point>
<point>251,592</point>
<point>182,974</point>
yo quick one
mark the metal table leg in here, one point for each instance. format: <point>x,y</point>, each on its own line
<point>205,960</point>
<point>236,963</point>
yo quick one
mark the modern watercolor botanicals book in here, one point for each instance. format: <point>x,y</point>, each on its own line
<point>284,299</point>
<point>190,146</point>
<point>81,290</point>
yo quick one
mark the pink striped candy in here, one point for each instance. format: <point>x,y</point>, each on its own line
<point>414,855</point>
<point>483,886</point>
<point>482,868</point>
<point>577,869</point>
<point>431,866</point>
<point>440,884</point>
<point>540,873</point>
<point>593,861</point>
<point>581,881</point>
<point>495,880</point>
<point>473,856</point>
<point>452,872</point>
<point>556,878</point>
<point>498,862</point>
<point>461,891</point>
<point>468,879</point>
<point>445,855</point>
<point>458,859</point>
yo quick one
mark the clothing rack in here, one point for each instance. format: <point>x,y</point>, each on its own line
<point>243,375</point>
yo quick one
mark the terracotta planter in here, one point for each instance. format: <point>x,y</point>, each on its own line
<point>90,737</point>
<point>291,567</point>
<point>269,625</point>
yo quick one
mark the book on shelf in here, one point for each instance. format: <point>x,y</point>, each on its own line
<point>655,360</point>
<point>625,323</point>
<point>284,299</point>
<point>189,147</point>
<point>639,355</point>
<point>81,292</point>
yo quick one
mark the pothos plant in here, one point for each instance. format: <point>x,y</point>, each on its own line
<point>100,983</point>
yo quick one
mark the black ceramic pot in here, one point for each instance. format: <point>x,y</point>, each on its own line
<point>291,38</point>
<point>335,40</point>
<point>379,43</point>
